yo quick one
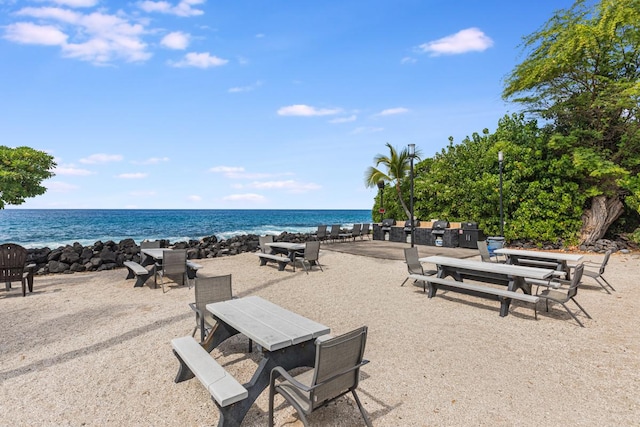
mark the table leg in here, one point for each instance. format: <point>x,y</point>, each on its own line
<point>291,357</point>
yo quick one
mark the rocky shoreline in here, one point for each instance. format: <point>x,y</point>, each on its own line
<point>110,255</point>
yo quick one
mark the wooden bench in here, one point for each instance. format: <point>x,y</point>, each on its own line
<point>139,272</point>
<point>281,260</point>
<point>196,361</point>
<point>502,295</point>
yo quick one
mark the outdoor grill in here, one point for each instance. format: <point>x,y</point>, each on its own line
<point>407,225</point>
<point>438,227</point>
<point>387,223</point>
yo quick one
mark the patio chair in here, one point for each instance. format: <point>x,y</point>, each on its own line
<point>597,271</point>
<point>174,263</point>
<point>209,290</point>
<point>562,291</point>
<point>310,255</point>
<point>353,233</point>
<point>484,253</point>
<point>336,372</point>
<point>365,231</point>
<point>334,233</point>
<point>147,244</point>
<point>321,233</point>
<point>414,266</point>
<point>263,240</point>
<point>14,268</point>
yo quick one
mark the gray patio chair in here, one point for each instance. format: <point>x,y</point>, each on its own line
<point>484,253</point>
<point>321,233</point>
<point>351,234</point>
<point>174,263</point>
<point>263,240</point>
<point>365,231</point>
<point>334,233</point>
<point>596,271</point>
<point>414,266</point>
<point>209,290</point>
<point>14,268</point>
<point>336,372</point>
<point>310,255</point>
<point>562,291</point>
<point>147,244</point>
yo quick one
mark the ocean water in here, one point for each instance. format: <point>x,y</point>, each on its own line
<point>38,228</point>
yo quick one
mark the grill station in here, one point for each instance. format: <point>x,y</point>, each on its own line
<point>438,228</point>
<point>407,225</point>
<point>431,233</point>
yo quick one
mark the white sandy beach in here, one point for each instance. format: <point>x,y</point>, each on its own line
<point>88,349</point>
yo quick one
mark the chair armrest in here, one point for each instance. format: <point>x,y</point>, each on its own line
<point>323,338</point>
<point>279,371</point>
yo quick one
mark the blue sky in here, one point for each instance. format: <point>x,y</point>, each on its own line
<point>202,104</point>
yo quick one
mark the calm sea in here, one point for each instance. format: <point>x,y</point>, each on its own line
<point>37,228</point>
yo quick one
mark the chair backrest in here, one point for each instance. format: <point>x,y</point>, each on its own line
<point>365,229</point>
<point>311,250</point>
<point>13,258</point>
<point>356,229</point>
<point>335,230</point>
<point>413,264</point>
<point>575,281</point>
<point>605,260</point>
<point>334,356</point>
<point>174,261</point>
<point>322,231</point>
<point>484,251</point>
<point>148,244</point>
<point>263,240</point>
<point>212,289</point>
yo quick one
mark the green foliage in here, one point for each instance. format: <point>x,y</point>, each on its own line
<point>22,169</point>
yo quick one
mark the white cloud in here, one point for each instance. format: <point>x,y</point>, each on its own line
<point>28,33</point>
<point>408,60</point>
<point>392,111</point>
<point>344,119</point>
<point>74,3</point>
<point>468,40</point>
<point>142,193</point>
<point>60,187</point>
<point>259,35</point>
<point>152,161</point>
<point>70,170</point>
<point>245,88</point>
<point>194,198</point>
<point>226,169</point>
<point>248,197</point>
<point>101,158</point>
<point>307,111</point>
<point>362,129</point>
<point>183,8</point>
<point>176,40</point>
<point>289,185</point>
<point>134,175</point>
<point>199,60</point>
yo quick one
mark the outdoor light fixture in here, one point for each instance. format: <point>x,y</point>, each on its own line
<point>412,155</point>
<point>500,158</point>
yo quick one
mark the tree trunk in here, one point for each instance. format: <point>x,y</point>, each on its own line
<point>597,219</point>
<point>404,206</point>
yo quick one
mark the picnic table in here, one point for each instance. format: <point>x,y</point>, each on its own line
<point>512,276</point>
<point>155,255</point>
<point>290,248</point>
<point>555,260</point>
<point>284,338</point>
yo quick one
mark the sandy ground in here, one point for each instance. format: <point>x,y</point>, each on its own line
<point>89,349</point>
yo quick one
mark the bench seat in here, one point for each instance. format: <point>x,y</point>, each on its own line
<point>281,260</point>
<point>502,295</point>
<point>192,269</point>
<point>225,390</point>
<point>139,272</point>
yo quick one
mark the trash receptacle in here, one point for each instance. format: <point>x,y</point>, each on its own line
<point>493,243</point>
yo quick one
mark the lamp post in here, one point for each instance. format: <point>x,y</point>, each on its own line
<point>381,185</point>
<point>412,154</point>
<point>500,158</point>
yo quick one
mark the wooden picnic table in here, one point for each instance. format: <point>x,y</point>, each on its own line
<point>285,339</point>
<point>509,275</point>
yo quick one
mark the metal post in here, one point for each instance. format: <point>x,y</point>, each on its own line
<point>412,154</point>
<point>500,158</point>
<point>381,185</point>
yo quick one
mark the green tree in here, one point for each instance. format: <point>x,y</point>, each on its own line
<point>397,164</point>
<point>22,170</point>
<point>582,76</point>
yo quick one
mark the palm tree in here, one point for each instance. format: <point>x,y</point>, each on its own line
<point>397,164</point>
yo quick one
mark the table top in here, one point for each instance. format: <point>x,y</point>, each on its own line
<point>155,253</point>
<point>287,245</point>
<point>490,267</point>
<point>556,256</point>
<point>267,324</point>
